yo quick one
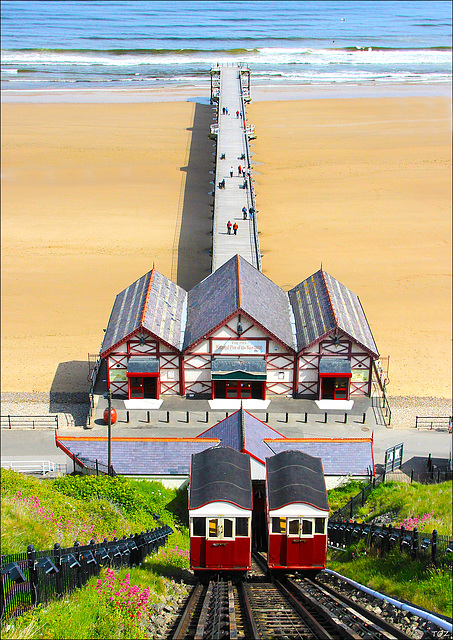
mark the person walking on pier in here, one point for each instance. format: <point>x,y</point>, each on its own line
<point>231,172</point>
<point>251,212</point>
<point>235,228</point>
<point>239,170</point>
<point>237,114</point>
<point>229,227</point>
<point>244,213</point>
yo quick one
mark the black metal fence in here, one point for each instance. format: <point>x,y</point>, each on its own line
<point>34,577</point>
<point>418,545</point>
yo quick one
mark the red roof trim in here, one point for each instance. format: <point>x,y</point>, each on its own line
<point>67,452</point>
<point>330,440</point>
<point>145,304</point>
<point>119,439</point>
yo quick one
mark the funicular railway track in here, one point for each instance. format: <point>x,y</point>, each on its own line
<point>267,609</point>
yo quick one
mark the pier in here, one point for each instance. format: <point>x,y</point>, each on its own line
<point>230,89</point>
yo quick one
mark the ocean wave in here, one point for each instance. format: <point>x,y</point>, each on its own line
<point>261,55</point>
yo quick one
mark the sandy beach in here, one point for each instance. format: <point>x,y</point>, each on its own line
<point>94,194</point>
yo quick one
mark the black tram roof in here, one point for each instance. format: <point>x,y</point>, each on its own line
<point>220,474</point>
<point>295,476</point>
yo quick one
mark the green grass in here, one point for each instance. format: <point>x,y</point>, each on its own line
<point>88,614</point>
<point>397,576</point>
<point>426,506</point>
<point>340,496</point>
<point>42,512</point>
<point>412,501</point>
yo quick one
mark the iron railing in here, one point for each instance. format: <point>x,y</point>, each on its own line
<point>434,422</point>
<point>36,577</point>
<point>418,544</point>
<point>29,422</point>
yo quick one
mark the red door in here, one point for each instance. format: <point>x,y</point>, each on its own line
<point>220,544</point>
<point>299,542</point>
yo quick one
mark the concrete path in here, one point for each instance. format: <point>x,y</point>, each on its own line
<point>232,152</point>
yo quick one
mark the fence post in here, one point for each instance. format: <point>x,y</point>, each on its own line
<point>429,462</point>
<point>73,461</point>
<point>414,545</point>
<point>187,417</point>
<point>97,467</point>
<point>325,417</point>
<point>412,476</point>
<point>56,420</point>
<point>306,417</point>
<point>32,574</point>
<point>9,421</point>
<point>147,416</point>
<point>78,557</point>
<point>207,417</point>
<point>57,563</point>
<point>351,508</point>
<point>363,418</point>
<point>127,416</point>
<point>345,417</point>
<point>286,417</point>
<point>168,417</point>
<point>434,546</point>
<point>402,534</point>
<point>266,419</point>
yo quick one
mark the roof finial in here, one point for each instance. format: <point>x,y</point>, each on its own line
<point>321,265</point>
<point>153,265</point>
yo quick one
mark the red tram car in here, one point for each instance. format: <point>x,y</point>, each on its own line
<point>220,512</point>
<point>297,512</point>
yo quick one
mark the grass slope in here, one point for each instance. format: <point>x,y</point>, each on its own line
<point>426,507</point>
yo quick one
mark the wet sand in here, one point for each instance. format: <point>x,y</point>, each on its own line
<point>94,194</point>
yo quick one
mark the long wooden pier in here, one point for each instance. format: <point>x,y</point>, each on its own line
<point>230,88</point>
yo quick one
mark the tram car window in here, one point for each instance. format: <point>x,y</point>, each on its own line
<point>220,512</point>
<point>297,511</point>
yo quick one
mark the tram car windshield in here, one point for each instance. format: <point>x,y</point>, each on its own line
<point>297,512</point>
<point>220,512</point>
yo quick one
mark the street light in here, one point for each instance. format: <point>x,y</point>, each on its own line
<point>108,397</point>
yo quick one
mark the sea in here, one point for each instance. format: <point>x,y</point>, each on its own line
<point>61,44</point>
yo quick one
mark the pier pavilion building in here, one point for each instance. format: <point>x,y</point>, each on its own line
<point>238,335</point>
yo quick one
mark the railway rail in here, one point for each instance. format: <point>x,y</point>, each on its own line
<point>265,609</point>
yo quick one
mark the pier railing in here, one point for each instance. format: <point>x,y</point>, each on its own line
<point>251,191</point>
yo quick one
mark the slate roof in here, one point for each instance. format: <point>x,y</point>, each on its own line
<point>140,456</point>
<point>233,287</point>
<point>220,474</point>
<point>295,476</point>
<point>339,457</point>
<point>322,304</point>
<point>153,302</point>
<point>243,432</point>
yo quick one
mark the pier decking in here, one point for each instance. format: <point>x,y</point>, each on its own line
<point>232,134</point>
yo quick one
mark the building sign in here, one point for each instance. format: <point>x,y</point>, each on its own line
<point>239,347</point>
<point>394,457</point>
<point>360,375</point>
<point>118,375</point>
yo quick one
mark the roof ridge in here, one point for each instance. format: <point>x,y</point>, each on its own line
<point>241,427</point>
<point>328,296</point>
<point>239,282</point>
<point>145,304</point>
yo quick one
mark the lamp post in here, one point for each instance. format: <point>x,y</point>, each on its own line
<point>108,397</point>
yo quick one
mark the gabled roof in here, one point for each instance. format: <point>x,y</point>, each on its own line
<point>345,456</point>
<point>154,303</point>
<point>138,456</point>
<point>295,476</point>
<point>236,287</point>
<point>321,305</point>
<point>243,432</point>
<point>220,474</point>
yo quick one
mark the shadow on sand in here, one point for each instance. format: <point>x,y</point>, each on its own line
<point>195,235</point>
